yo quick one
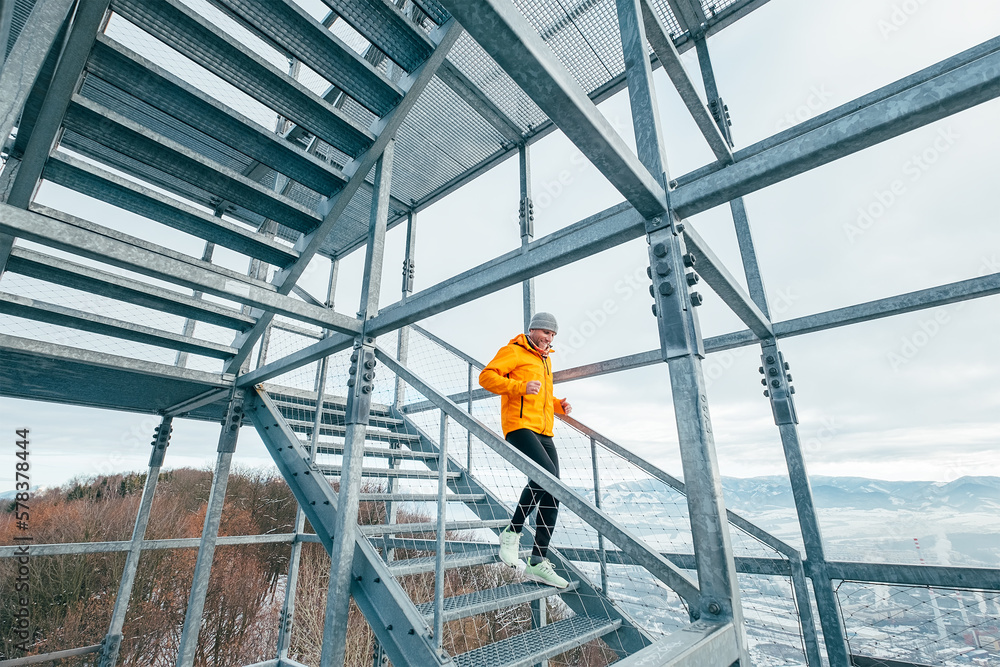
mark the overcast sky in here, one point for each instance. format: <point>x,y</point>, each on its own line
<point>909,397</point>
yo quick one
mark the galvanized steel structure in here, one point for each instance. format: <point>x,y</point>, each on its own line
<point>486,79</point>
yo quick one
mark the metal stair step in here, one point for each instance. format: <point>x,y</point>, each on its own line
<point>485,556</point>
<point>480,602</point>
<point>384,452</point>
<point>336,430</point>
<point>392,528</point>
<point>336,470</point>
<point>332,414</point>
<point>529,648</point>
<point>423,497</point>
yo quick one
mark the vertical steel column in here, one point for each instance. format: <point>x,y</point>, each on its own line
<point>601,554</point>
<point>526,216</point>
<point>357,413</point>
<point>189,324</point>
<point>683,350</point>
<point>291,583</point>
<point>210,532</point>
<point>468,433</point>
<point>442,512</point>
<point>539,619</point>
<point>784,415</point>
<point>112,641</point>
<point>402,352</point>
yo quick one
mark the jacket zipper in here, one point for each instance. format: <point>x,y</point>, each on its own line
<point>522,408</point>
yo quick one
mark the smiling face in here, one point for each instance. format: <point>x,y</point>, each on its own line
<point>541,338</point>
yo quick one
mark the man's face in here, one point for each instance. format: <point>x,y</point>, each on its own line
<point>541,338</point>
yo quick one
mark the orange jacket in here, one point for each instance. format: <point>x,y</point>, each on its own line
<point>516,364</point>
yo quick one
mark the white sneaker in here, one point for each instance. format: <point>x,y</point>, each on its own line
<point>544,574</point>
<point>509,541</point>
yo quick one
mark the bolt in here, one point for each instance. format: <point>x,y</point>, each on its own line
<point>714,608</point>
<point>770,359</point>
<point>791,390</point>
<point>649,272</point>
<point>651,292</point>
<point>788,376</point>
<point>787,367</point>
<point>655,313</point>
<point>660,250</point>
<point>689,260</point>
<point>696,299</point>
<point>693,279</point>
<point>772,371</point>
<point>666,289</point>
<point>775,384</point>
<point>663,268</point>
<point>679,225</point>
<point>760,370</point>
<point>763,381</point>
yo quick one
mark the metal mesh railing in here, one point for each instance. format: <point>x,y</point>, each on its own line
<point>920,624</point>
<point>651,508</point>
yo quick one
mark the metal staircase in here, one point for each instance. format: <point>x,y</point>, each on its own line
<point>401,625</point>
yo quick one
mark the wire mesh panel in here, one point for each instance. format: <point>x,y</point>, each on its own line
<point>919,624</point>
<point>652,509</point>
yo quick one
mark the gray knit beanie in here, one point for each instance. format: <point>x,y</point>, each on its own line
<point>545,321</point>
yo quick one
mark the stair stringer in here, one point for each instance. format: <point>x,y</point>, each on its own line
<point>393,617</point>
<point>586,600</point>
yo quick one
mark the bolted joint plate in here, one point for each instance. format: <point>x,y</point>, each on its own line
<point>680,332</point>
<point>361,384</point>
<point>777,383</point>
<point>233,421</point>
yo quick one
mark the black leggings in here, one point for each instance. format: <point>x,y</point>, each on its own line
<point>541,450</point>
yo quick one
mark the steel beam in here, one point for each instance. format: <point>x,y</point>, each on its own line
<point>112,641</point>
<point>77,276</point>
<point>715,273</point>
<point>670,58</point>
<point>94,182</point>
<point>129,71</point>
<point>124,136</point>
<point>527,216</point>
<point>357,413</point>
<point>508,37</point>
<point>188,642</point>
<point>682,348</point>
<point>36,43</point>
<point>932,297</point>
<point>957,84</point>
<point>192,35</point>
<point>40,311</point>
<point>18,74</point>
<point>77,237</point>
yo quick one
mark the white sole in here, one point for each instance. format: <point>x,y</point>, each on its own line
<point>531,577</point>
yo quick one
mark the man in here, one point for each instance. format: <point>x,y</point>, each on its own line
<point>521,374</point>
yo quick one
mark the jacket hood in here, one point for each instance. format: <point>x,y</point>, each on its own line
<point>522,341</point>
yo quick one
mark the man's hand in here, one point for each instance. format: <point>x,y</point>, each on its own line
<point>567,408</point>
<point>533,387</point>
